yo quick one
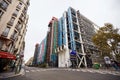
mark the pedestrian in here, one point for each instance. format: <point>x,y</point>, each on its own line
<point>13,66</point>
<point>107,62</point>
<point>115,64</point>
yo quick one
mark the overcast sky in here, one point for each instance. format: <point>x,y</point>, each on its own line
<point>41,11</point>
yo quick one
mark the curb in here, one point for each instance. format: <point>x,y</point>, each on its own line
<point>2,77</point>
<point>13,75</point>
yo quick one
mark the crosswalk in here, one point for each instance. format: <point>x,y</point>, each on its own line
<point>78,70</point>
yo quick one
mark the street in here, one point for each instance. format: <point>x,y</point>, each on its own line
<point>33,73</point>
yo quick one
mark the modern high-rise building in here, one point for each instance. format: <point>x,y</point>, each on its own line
<point>13,27</point>
<point>74,39</point>
<point>69,40</point>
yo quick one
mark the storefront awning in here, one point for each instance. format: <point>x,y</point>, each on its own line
<point>7,55</point>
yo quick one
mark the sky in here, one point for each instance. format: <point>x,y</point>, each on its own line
<point>41,11</point>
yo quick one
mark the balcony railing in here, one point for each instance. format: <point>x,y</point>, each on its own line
<point>5,34</point>
<point>13,37</point>
<point>10,23</point>
<point>10,1</point>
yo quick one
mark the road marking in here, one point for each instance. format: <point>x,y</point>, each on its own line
<point>91,71</point>
<point>32,70</point>
<point>77,70</point>
<point>101,72</point>
<point>27,71</point>
<point>73,69</point>
<point>37,70</point>
<point>83,70</point>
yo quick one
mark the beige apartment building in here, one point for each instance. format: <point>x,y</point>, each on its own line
<point>13,26</point>
<point>29,62</point>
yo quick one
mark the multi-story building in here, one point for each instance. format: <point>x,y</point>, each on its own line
<point>52,42</point>
<point>40,53</point>
<point>29,62</point>
<point>13,26</point>
<point>69,40</point>
<point>74,39</point>
<point>36,52</point>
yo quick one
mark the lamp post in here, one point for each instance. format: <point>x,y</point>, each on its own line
<point>17,64</point>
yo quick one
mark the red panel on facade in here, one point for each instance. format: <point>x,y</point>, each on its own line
<point>7,55</point>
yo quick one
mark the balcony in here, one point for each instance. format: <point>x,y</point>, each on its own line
<point>1,13</point>
<point>18,26</point>
<point>75,27</point>
<point>13,37</point>
<point>4,34</point>
<point>10,1</point>
<point>74,19</point>
<point>3,5</point>
<point>22,18</point>
<point>19,5</point>
<point>15,13</point>
<point>10,23</point>
<point>5,39</point>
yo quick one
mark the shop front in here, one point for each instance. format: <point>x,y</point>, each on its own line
<point>5,59</point>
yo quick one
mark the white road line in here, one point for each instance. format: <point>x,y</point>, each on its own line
<point>32,70</point>
<point>114,74</point>
<point>37,70</point>
<point>83,70</point>
<point>27,71</point>
<point>77,70</point>
<point>69,69</point>
<point>73,69</point>
<point>91,71</point>
<point>102,72</point>
<point>43,70</point>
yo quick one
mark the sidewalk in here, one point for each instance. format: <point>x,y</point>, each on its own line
<point>108,71</point>
<point>7,75</point>
<point>10,74</point>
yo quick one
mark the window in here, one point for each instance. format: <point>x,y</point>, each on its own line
<point>24,10</point>
<point>28,3</point>
<point>74,19</point>
<point>19,5</point>
<point>16,13</point>
<point>9,1</point>
<point>73,12</point>
<point>1,44</point>
<point>75,27</point>
<point>22,18</point>
<point>14,36</point>
<point>11,21</point>
<point>3,4</point>
<point>18,26</point>
<point>6,31</point>
<point>1,13</point>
